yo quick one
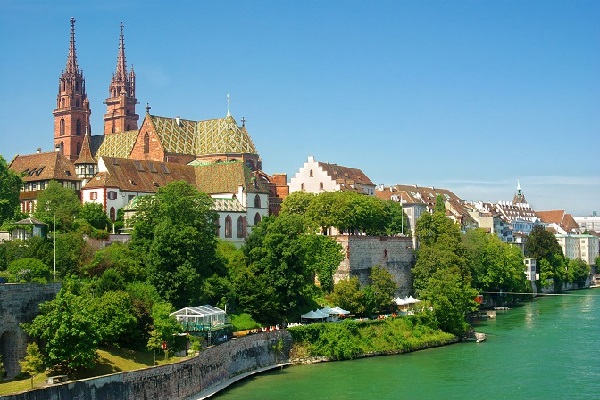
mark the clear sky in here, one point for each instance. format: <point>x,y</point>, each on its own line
<point>463,95</point>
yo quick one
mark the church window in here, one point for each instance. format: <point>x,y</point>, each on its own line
<point>310,173</point>
<point>228,226</point>
<point>62,126</point>
<point>241,227</point>
<point>112,214</point>
<point>77,103</point>
<point>78,127</point>
<point>321,185</point>
<point>257,219</point>
<point>146,143</point>
<point>302,187</point>
<point>77,90</point>
<point>217,227</point>
<point>256,201</point>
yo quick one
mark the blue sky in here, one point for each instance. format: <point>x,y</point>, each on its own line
<point>464,95</point>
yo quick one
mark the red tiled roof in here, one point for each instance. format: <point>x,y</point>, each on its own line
<point>43,167</point>
<point>344,175</point>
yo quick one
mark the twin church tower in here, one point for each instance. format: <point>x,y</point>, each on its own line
<point>72,113</point>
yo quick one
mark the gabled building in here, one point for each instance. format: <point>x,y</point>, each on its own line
<point>318,177</point>
<point>37,170</point>
<point>559,221</point>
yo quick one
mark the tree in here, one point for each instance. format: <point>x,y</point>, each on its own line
<point>542,245</point>
<point>323,256</point>
<point>29,270</point>
<point>59,202</point>
<point>383,288</point>
<point>348,295</point>
<point>10,186</point>
<point>33,363</point>
<point>174,231</point>
<point>164,327</point>
<point>94,214</point>
<point>297,203</point>
<point>69,332</point>
<point>115,318</point>
<point>277,284</point>
<point>578,271</point>
<point>397,221</point>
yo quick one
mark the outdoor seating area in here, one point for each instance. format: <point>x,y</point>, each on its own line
<point>201,318</point>
<point>325,314</point>
<point>406,303</point>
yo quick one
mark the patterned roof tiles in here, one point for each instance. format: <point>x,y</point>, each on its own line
<point>115,144</point>
<point>223,136</point>
<point>227,177</point>
<point>177,135</point>
<point>227,205</point>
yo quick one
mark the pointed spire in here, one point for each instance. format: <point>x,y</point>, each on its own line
<point>519,185</point>
<point>85,155</point>
<point>121,74</point>
<point>72,58</point>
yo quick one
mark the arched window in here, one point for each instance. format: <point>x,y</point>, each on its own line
<point>302,186</point>
<point>256,219</point>
<point>256,201</point>
<point>228,226</point>
<point>77,90</point>
<point>62,126</point>
<point>112,214</point>
<point>321,185</point>
<point>146,143</point>
<point>310,174</point>
<point>241,227</point>
<point>78,127</point>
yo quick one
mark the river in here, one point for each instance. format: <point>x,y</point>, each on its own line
<point>545,349</point>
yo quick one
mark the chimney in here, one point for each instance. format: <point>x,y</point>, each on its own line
<point>39,150</point>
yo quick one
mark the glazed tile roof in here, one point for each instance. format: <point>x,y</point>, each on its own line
<point>139,175</point>
<point>113,145</point>
<point>44,166</point>
<point>227,177</point>
<point>176,135</point>
<point>223,136</point>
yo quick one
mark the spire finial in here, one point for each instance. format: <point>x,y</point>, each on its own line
<point>148,108</point>
<point>72,57</point>
<point>518,185</point>
<point>121,74</point>
<point>243,122</point>
<point>228,102</point>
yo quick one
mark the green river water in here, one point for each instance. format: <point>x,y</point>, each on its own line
<point>545,349</point>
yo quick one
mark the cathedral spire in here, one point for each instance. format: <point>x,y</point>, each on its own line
<point>72,112</point>
<point>72,67</point>
<point>120,105</point>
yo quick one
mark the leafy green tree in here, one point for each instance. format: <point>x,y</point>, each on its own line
<point>323,256</point>
<point>35,247</point>
<point>348,295</point>
<point>440,204</point>
<point>70,254</point>
<point>120,258</point>
<point>143,297</point>
<point>10,185</point>
<point>297,203</point>
<point>164,327</point>
<point>383,288</point>
<point>95,215</point>
<point>60,202</point>
<point>397,221</point>
<point>451,298</point>
<point>115,317</point>
<point>321,210</point>
<point>277,284</point>
<point>542,245</point>
<point>578,271</point>
<point>174,232</point>
<point>29,270</point>
<point>68,330</point>
<point>33,363</point>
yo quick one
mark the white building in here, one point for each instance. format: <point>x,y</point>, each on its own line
<point>579,246</point>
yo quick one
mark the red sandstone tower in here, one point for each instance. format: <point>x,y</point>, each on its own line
<point>120,105</point>
<point>72,113</point>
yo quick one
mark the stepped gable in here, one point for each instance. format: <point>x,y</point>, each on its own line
<point>176,135</point>
<point>346,177</point>
<point>227,177</point>
<point>44,166</point>
<point>117,145</point>
<point>223,136</point>
<point>560,218</point>
<point>139,175</point>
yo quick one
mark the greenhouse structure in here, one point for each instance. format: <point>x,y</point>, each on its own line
<point>202,318</point>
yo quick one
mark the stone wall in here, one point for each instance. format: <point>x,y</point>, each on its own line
<point>394,253</point>
<point>193,378</point>
<point>18,304</point>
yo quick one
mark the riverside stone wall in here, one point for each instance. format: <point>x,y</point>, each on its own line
<point>187,379</point>
<point>19,303</point>
<point>394,253</point>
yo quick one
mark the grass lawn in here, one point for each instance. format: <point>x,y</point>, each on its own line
<point>110,360</point>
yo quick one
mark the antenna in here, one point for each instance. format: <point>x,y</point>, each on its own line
<point>228,102</point>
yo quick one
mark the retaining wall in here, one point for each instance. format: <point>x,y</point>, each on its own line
<point>189,379</point>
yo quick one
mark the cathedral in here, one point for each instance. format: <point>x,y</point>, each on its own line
<point>130,158</point>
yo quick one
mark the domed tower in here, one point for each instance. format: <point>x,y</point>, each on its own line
<point>72,113</point>
<point>120,105</point>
